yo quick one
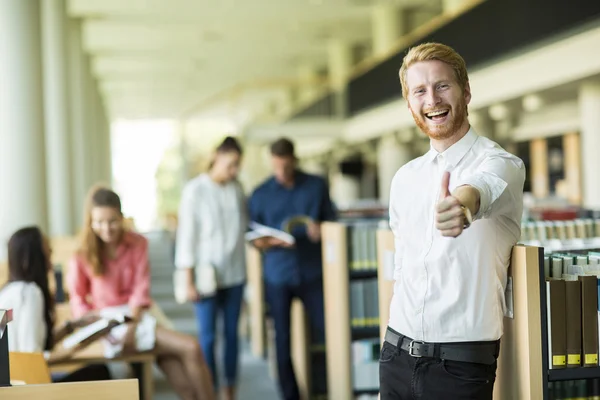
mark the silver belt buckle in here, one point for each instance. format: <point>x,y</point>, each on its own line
<point>411,348</point>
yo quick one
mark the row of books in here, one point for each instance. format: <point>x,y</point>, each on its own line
<point>364,303</point>
<point>571,263</point>
<point>582,389</point>
<point>365,364</point>
<point>572,301</point>
<point>562,230</point>
<point>362,249</point>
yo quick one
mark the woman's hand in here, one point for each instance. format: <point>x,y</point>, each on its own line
<point>129,340</point>
<point>192,293</point>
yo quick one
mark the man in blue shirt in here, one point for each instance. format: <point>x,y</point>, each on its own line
<point>291,270</point>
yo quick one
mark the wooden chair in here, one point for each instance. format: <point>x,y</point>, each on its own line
<point>30,368</point>
<point>126,389</point>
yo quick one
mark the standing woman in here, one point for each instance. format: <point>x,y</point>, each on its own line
<point>111,274</point>
<point>211,252</point>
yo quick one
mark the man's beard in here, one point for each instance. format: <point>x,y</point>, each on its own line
<point>448,129</point>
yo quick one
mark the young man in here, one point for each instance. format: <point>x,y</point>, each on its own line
<point>455,213</point>
<point>291,271</point>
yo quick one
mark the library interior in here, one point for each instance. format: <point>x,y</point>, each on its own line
<point>218,195</point>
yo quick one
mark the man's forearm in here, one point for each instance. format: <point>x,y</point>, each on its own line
<point>469,197</point>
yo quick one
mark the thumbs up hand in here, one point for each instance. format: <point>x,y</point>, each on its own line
<point>450,217</point>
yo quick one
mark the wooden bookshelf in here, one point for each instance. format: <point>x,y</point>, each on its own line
<point>519,374</point>
<point>256,303</point>
<point>340,333</point>
<point>337,310</point>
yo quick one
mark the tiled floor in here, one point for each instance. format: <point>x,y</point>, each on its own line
<point>255,382</point>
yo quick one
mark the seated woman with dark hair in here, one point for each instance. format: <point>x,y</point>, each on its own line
<point>27,293</point>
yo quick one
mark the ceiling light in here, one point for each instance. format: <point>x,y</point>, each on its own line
<point>498,112</point>
<point>532,102</point>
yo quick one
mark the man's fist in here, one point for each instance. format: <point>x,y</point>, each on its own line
<point>449,216</point>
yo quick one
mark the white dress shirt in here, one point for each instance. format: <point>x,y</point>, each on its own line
<point>27,331</point>
<point>211,227</point>
<point>452,289</point>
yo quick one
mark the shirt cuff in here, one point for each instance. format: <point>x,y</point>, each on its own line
<point>490,188</point>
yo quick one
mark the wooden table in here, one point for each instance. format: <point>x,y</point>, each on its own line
<point>94,354</point>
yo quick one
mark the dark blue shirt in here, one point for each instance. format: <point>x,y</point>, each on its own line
<point>271,204</point>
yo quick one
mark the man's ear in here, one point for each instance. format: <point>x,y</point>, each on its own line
<point>467,93</point>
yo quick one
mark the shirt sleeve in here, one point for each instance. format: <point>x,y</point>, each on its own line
<point>31,322</point>
<point>79,285</point>
<point>187,231</point>
<point>140,296</point>
<point>499,175</point>
<point>396,230</point>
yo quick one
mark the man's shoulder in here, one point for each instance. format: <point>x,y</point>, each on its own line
<point>413,165</point>
<point>488,148</point>
<point>263,187</point>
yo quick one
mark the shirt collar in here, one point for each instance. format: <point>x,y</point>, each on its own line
<point>457,151</point>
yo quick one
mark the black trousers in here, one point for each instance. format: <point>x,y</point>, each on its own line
<point>403,377</point>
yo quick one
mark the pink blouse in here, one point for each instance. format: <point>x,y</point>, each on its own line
<point>126,279</point>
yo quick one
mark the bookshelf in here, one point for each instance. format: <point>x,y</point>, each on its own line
<point>256,302</point>
<point>523,370</point>
<point>350,273</point>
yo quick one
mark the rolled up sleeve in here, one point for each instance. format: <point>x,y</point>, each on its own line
<point>187,231</point>
<point>497,175</point>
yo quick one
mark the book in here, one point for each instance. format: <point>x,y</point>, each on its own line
<point>258,231</point>
<point>295,221</point>
<point>94,331</point>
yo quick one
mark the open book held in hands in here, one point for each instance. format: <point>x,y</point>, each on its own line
<point>296,221</point>
<point>259,231</point>
<point>94,331</point>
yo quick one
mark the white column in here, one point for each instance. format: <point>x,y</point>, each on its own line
<point>107,145</point>
<point>391,155</point>
<point>79,67</point>
<point>56,107</point>
<point>345,189</point>
<point>22,148</point>
<point>340,63</point>
<point>386,28</point>
<point>482,123</point>
<point>589,109</point>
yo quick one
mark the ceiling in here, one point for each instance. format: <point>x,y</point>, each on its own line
<point>228,59</point>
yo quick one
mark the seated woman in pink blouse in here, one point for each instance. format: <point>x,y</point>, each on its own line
<point>111,274</point>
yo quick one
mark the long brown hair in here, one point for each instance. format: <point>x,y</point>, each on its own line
<point>91,247</point>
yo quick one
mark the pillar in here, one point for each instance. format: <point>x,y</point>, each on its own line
<point>538,154</point>
<point>22,147</point>
<point>589,106</point>
<point>80,132</point>
<point>391,155</point>
<point>56,107</point>
<point>572,151</point>
<point>386,28</point>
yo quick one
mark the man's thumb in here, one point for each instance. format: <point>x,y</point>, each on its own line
<point>445,190</point>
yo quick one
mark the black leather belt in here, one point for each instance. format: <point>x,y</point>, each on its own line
<point>474,352</point>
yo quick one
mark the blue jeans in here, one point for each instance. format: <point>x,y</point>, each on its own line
<point>229,302</point>
<point>279,298</point>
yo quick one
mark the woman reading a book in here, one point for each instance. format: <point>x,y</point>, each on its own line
<point>210,255</point>
<point>27,293</point>
<point>110,275</point>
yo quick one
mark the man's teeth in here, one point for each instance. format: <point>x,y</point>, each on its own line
<point>433,114</point>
